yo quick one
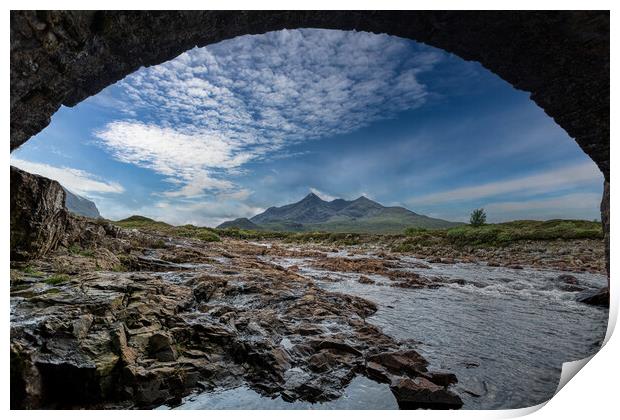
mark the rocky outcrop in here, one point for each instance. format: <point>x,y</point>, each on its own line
<point>40,222</point>
<point>38,215</point>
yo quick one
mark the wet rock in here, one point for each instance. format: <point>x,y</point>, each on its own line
<point>475,388</point>
<point>567,278</point>
<point>143,338</point>
<point>421,393</point>
<point>82,325</point>
<point>441,378</point>
<point>322,361</point>
<point>401,362</point>
<point>309,329</point>
<point>598,298</point>
<point>335,345</point>
<point>378,372</point>
<point>571,288</point>
<point>161,347</point>
<point>356,265</point>
<point>365,280</point>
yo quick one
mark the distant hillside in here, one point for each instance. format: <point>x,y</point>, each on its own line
<point>80,205</point>
<point>357,216</point>
<point>240,223</point>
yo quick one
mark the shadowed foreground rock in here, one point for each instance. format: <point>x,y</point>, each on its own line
<point>38,215</point>
<point>40,222</point>
<point>122,339</point>
<point>107,317</point>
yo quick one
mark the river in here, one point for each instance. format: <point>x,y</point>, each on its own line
<point>504,332</point>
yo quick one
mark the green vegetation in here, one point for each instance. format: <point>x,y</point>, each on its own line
<point>141,222</point>
<point>57,279</point>
<point>521,230</point>
<point>478,218</point>
<point>77,250</point>
<point>488,235</point>
<point>152,226</point>
<point>201,233</point>
<point>31,271</point>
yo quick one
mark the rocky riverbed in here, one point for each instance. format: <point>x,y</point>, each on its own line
<point>137,320</point>
<point>158,323</point>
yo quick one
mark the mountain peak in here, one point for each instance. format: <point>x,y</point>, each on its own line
<point>338,215</point>
<point>312,197</point>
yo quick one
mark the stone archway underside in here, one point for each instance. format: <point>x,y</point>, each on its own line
<point>561,58</point>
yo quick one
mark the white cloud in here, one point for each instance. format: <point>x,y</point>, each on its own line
<point>544,182</point>
<point>207,213</point>
<point>577,205</point>
<point>212,110</point>
<point>76,180</point>
<point>322,195</point>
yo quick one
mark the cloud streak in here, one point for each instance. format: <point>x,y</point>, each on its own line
<point>76,180</point>
<point>577,206</point>
<point>543,182</point>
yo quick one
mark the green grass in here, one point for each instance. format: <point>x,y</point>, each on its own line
<point>489,235</point>
<point>31,271</point>
<point>153,226</point>
<point>57,279</point>
<point>521,230</point>
<point>141,222</point>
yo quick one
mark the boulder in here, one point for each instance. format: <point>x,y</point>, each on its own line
<point>418,393</point>
<point>38,215</point>
<point>567,278</point>
<point>598,298</point>
<point>365,280</point>
<point>401,362</point>
<point>441,378</point>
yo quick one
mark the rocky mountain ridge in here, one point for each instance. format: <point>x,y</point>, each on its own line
<point>339,215</point>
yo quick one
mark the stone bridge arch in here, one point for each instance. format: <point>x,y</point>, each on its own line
<point>560,57</point>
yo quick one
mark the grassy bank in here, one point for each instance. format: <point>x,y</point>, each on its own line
<point>490,235</point>
<point>153,226</point>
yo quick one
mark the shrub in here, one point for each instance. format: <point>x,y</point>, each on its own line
<point>478,218</point>
<point>207,236</point>
<point>414,231</point>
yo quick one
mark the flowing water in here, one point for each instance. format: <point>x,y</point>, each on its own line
<point>504,332</point>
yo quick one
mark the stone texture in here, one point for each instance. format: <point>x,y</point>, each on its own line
<point>38,215</point>
<point>40,223</point>
<point>562,58</point>
<point>422,393</point>
<point>141,339</point>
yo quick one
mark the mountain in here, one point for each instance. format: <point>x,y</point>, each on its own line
<point>80,205</point>
<point>240,223</point>
<point>357,216</point>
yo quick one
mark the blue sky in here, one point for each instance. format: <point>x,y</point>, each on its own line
<point>228,130</point>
